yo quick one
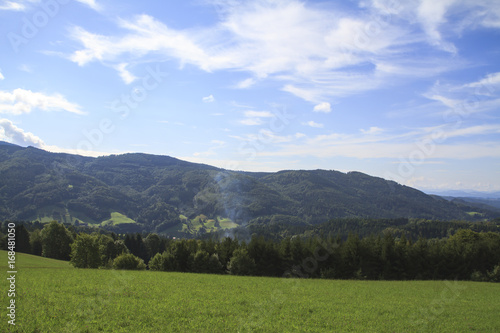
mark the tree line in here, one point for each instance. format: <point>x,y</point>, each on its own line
<point>464,255</point>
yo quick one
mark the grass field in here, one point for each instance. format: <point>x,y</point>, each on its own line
<point>54,297</point>
<point>116,219</point>
<point>201,221</point>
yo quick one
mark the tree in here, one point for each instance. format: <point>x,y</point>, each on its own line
<point>201,261</point>
<point>225,250</point>
<point>241,263</point>
<point>128,261</point>
<point>214,265</point>
<point>106,249</point>
<point>153,244</point>
<point>36,242</point>
<point>266,256</point>
<point>156,263</point>
<point>56,241</point>
<point>182,255</point>
<point>85,251</point>
<point>22,239</point>
<point>162,262</point>
<point>136,246</point>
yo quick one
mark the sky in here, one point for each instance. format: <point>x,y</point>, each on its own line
<point>403,90</point>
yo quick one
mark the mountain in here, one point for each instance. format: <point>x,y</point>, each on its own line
<point>492,204</point>
<point>465,194</point>
<point>168,195</point>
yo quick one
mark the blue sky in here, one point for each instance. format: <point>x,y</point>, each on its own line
<point>404,90</point>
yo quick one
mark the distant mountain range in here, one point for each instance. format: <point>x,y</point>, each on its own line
<point>465,194</point>
<point>166,195</point>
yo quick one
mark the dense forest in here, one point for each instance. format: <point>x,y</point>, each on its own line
<point>464,254</point>
<point>159,193</point>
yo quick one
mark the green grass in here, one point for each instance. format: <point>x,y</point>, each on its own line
<point>226,223</point>
<point>194,225</point>
<point>116,219</point>
<point>30,261</point>
<point>54,297</point>
<point>475,214</point>
<point>64,215</point>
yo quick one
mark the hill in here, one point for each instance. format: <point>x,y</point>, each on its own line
<point>141,192</point>
<point>24,260</point>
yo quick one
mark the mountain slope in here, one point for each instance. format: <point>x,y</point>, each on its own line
<point>160,192</point>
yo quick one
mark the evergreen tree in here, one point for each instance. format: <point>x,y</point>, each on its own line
<point>22,239</point>
<point>36,242</point>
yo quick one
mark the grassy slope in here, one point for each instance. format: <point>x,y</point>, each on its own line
<point>73,300</point>
<point>116,219</point>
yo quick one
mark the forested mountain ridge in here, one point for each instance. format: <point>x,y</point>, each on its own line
<point>158,192</point>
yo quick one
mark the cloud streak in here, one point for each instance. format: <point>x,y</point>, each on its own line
<point>21,101</point>
<point>315,53</point>
<point>12,5</point>
<point>376,143</point>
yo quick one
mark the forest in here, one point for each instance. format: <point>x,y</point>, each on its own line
<point>464,254</point>
<point>155,191</point>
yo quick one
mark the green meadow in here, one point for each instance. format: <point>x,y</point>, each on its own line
<point>52,296</point>
<point>116,219</point>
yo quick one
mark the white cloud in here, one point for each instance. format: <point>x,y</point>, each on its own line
<point>486,82</point>
<point>12,5</point>
<point>431,15</point>
<point>442,18</point>
<point>22,101</point>
<point>451,103</point>
<point>323,107</point>
<point>23,5</point>
<point>247,83</point>
<point>146,35</point>
<point>313,124</point>
<point>430,143</point>
<point>372,130</point>
<point>259,114</point>
<point>251,121</point>
<point>284,40</point>
<point>253,118</point>
<point>208,99</point>
<point>267,137</point>
<point>13,134</point>
<point>461,101</point>
<point>448,133</point>
<point>25,68</point>
<point>315,53</point>
<point>126,76</point>
<point>1,76</point>
<point>92,4</point>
